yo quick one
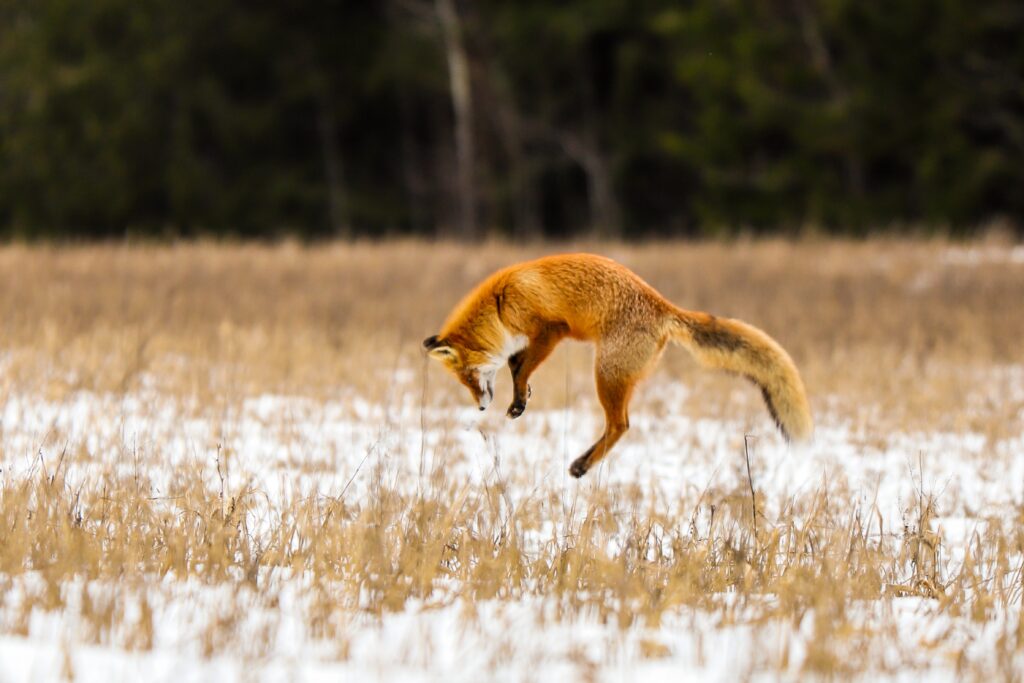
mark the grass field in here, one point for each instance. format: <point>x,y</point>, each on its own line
<point>236,462</point>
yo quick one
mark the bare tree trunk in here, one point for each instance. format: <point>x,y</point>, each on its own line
<point>527,217</point>
<point>494,101</point>
<point>821,58</point>
<point>333,170</point>
<point>462,104</point>
<point>412,170</point>
<point>605,215</point>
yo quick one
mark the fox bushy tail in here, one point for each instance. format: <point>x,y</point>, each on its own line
<point>735,346</point>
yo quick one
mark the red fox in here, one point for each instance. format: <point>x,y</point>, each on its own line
<point>520,313</point>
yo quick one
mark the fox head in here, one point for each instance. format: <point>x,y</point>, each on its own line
<point>475,369</point>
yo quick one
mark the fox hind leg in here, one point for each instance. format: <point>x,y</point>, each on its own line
<point>614,394</point>
<point>616,374</point>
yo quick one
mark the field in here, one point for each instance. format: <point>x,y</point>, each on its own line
<point>227,462</point>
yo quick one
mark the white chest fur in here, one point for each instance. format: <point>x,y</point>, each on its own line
<point>511,345</point>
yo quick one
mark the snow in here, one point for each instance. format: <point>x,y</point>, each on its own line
<point>291,446</point>
<point>982,255</point>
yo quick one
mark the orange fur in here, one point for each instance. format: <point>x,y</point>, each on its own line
<point>520,313</point>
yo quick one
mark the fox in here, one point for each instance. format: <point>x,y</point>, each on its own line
<point>519,314</point>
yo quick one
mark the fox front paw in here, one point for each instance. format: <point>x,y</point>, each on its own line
<point>518,405</point>
<point>579,467</point>
<point>515,410</point>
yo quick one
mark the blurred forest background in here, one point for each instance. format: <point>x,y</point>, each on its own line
<point>521,118</point>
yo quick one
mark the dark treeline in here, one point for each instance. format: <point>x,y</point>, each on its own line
<point>514,117</point>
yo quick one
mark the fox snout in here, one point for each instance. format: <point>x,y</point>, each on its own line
<point>486,391</point>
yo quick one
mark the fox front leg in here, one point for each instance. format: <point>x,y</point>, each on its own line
<point>519,395</point>
<point>523,363</point>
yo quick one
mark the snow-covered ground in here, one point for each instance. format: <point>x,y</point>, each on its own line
<point>294,446</point>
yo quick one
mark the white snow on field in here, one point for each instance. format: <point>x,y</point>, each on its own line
<point>975,256</point>
<point>294,446</point>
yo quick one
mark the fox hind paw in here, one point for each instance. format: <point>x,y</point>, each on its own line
<point>578,467</point>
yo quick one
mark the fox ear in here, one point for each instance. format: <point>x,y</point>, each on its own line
<point>443,353</point>
<point>438,349</point>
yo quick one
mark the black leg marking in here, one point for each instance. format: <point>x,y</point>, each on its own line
<point>578,467</point>
<point>581,464</point>
<point>515,364</point>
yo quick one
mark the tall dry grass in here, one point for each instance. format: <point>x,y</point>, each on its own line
<point>326,318</point>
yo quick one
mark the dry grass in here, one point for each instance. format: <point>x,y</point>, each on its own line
<point>890,336</point>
